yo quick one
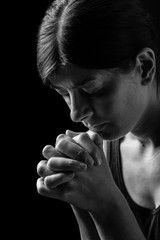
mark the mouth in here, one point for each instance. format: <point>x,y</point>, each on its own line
<point>97,127</point>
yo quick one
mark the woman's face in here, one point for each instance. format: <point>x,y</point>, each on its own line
<point>105,101</point>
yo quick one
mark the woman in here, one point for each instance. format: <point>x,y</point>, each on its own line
<point>102,57</point>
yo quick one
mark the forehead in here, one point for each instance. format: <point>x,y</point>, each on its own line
<point>73,76</point>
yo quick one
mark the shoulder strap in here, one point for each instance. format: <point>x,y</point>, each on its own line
<point>114,161</point>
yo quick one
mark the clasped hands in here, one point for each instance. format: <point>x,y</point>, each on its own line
<point>75,170</point>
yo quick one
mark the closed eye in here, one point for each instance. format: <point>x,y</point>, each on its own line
<point>92,91</point>
<point>93,87</point>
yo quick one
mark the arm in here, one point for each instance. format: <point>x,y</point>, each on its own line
<point>86,225</point>
<point>117,222</point>
<point>90,188</point>
<point>85,222</point>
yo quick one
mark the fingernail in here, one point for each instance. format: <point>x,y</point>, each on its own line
<point>47,150</point>
<point>59,137</point>
<point>82,167</point>
<point>89,160</point>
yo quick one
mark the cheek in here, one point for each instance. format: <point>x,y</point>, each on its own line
<point>104,108</point>
<point>104,103</point>
<point>118,104</point>
<point>118,108</point>
<point>126,111</point>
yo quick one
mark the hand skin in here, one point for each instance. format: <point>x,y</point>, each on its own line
<point>86,188</point>
<point>80,188</point>
<point>85,222</point>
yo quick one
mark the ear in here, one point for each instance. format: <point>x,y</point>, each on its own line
<point>147,63</point>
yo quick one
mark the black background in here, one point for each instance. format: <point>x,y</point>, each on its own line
<point>35,116</point>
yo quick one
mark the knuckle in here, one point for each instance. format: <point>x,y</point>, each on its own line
<point>69,163</point>
<point>83,136</point>
<point>95,134</point>
<point>61,144</point>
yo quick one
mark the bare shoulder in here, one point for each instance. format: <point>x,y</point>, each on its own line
<point>141,171</point>
<point>146,157</point>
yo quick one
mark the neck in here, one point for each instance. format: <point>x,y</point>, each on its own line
<point>148,128</point>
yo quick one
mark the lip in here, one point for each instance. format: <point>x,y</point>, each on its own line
<point>98,127</point>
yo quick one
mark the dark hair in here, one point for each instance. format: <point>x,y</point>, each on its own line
<point>94,34</point>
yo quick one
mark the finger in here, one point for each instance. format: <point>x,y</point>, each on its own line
<point>64,136</point>
<point>84,141</point>
<point>72,134</point>
<point>49,151</point>
<point>71,149</point>
<point>57,179</point>
<point>96,138</point>
<point>43,170</point>
<point>43,190</point>
<point>58,164</point>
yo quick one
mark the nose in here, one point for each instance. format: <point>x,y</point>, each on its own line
<point>80,108</point>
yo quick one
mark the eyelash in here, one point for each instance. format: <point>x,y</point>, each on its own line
<point>94,93</point>
<point>90,94</point>
<point>65,95</point>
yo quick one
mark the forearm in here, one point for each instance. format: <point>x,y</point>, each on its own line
<point>117,222</point>
<point>86,224</point>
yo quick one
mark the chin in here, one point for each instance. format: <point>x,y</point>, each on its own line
<point>112,134</point>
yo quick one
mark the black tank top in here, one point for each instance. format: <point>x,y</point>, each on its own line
<point>148,220</point>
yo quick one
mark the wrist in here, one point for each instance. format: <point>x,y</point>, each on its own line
<point>86,224</point>
<point>107,202</point>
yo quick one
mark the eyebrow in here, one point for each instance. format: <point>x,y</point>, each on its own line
<point>75,85</point>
